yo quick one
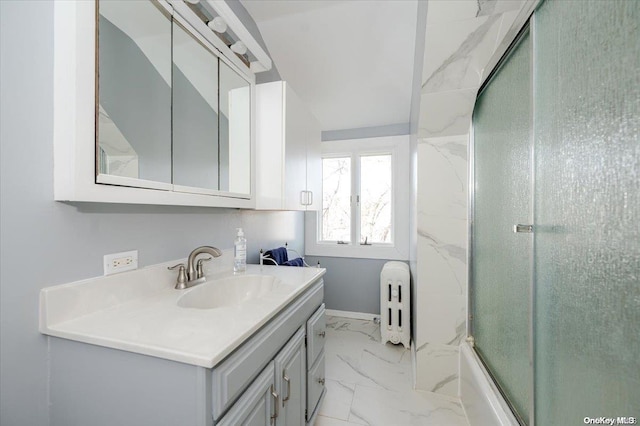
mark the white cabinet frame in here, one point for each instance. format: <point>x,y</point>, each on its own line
<point>74,124</point>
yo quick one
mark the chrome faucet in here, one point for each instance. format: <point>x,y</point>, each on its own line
<point>194,274</point>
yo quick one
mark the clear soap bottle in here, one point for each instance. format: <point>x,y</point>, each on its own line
<point>240,252</point>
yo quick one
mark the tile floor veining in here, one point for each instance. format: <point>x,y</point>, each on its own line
<point>371,384</point>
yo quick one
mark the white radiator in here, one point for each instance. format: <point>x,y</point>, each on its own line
<point>395,304</point>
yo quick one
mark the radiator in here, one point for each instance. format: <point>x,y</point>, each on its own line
<point>395,304</point>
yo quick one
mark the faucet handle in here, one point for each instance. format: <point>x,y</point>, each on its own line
<point>181,281</point>
<point>199,268</point>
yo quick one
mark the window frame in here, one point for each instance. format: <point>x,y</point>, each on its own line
<point>398,248</point>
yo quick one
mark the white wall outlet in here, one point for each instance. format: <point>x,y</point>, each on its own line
<point>120,262</point>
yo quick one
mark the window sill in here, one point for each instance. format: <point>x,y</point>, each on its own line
<point>359,251</point>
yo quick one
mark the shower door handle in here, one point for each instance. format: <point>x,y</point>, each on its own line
<point>524,229</point>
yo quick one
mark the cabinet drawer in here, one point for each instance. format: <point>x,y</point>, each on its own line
<point>316,335</point>
<point>232,376</point>
<point>315,385</point>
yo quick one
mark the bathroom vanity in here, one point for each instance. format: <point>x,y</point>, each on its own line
<point>129,349</point>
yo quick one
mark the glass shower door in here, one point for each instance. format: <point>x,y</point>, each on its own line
<point>501,262</point>
<point>587,256</point>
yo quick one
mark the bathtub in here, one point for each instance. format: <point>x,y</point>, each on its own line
<point>482,401</point>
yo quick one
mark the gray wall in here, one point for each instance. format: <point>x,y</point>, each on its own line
<point>351,284</point>
<point>366,132</point>
<point>44,242</point>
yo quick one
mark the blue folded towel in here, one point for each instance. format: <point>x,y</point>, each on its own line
<point>279,255</point>
<point>294,262</point>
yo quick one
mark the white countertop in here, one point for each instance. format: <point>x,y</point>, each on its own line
<point>137,311</point>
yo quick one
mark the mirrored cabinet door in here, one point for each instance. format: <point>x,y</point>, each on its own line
<point>171,113</point>
<point>134,91</point>
<point>195,113</point>
<point>235,132</point>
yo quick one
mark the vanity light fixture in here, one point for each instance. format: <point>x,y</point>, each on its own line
<point>239,48</point>
<point>231,36</point>
<point>217,24</point>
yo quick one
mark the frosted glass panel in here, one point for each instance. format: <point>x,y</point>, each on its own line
<point>587,119</point>
<point>501,261</point>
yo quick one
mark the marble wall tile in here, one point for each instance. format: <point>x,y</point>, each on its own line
<point>446,113</point>
<point>442,178</point>
<point>442,319</point>
<point>457,52</point>
<point>442,215</point>
<point>451,10</point>
<point>456,10</point>
<point>508,18</point>
<point>445,232</point>
<point>439,369</point>
<point>492,7</point>
<point>442,268</point>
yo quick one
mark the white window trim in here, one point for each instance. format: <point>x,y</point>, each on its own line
<point>399,249</point>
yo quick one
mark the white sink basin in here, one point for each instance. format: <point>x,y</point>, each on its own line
<point>229,291</point>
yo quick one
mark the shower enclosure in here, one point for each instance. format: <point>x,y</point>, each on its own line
<point>555,216</point>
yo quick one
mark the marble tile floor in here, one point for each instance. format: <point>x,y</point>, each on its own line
<point>371,384</point>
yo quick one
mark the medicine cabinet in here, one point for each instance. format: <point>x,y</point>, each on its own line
<point>147,108</point>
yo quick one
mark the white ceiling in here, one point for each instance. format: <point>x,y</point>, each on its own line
<point>351,61</point>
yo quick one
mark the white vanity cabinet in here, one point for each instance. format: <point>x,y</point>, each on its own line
<point>149,108</point>
<point>288,158</point>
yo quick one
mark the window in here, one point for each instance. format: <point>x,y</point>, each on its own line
<point>375,198</point>
<point>336,199</point>
<point>365,198</point>
<point>369,209</point>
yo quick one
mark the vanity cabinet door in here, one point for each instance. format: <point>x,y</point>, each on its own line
<point>291,381</point>
<point>315,386</point>
<point>258,405</point>
<point>316,335</point>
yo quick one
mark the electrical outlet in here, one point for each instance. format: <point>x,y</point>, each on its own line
<point>120,262</point>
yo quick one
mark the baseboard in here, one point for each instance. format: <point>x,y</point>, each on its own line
<point>352,315</point>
